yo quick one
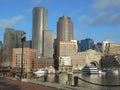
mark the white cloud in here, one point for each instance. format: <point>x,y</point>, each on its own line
<point>101,19</point>
<point>108,13</point>
<point>106,19</point>
<point>101,5</point>
<point>10,22</point>
<point>84,20</point>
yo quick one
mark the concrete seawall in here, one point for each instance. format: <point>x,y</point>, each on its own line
<point>54,85</point>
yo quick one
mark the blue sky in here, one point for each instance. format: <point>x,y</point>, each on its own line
<point>96,19</point>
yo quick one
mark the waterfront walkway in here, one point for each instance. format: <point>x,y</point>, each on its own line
<point>31,84</point>
<point>8,84</point>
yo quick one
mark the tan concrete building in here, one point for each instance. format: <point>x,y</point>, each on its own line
<point>67,48</point>
<point>111,58</point>
<point>78,59</point>
<point>47,43</point>
<point>28,56</point>
<point>114,49</point>
<point>93,57</point>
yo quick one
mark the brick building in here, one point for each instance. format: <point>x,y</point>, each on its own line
<point>28,55</point>
<point>42,63</point>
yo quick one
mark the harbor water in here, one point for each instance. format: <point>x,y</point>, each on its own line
<point>90,82</point>
<point>94,81</point>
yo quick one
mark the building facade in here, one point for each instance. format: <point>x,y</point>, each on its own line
<point>78,59</point>
<point>40,23</point>
<point>114,49</point>
<point>86,44</point>
<point>93,57</point>
<point>67,48</point>
<point>12,39</point>
<point>65,64</point>
<point>42,63</point>
<point>47,43</point>
<point>28,56</point>
<point>70,49</point>
<point>1,46</point>
<point>64,29</point>
<point>1,52</point>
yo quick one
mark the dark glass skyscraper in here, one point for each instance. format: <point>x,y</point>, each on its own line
<point>1,46</point>
<point>87,44</point>
<point>40,23</point>
<point>64,29</point>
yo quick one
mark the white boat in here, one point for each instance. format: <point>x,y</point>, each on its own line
<point>51,70</point>
<point>40,73</point>
<point>90,70</point>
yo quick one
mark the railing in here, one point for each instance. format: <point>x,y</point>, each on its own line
<point>76,78</point>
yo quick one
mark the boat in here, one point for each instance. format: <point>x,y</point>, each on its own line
<point>40,73</point>
<point>51,70</point>
<point>48,71</point>
<point>90,70</point>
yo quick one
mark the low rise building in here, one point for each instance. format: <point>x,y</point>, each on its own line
<point>114,49</point>
<point>42,63</point>
<point>65,64</point>
<point>28,55</point>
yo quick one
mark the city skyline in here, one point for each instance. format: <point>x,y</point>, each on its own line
<point>98,20</point>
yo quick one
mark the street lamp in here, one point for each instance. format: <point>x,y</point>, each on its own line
<point>23,38</point>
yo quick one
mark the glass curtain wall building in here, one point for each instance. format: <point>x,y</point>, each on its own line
<point>40,23</point>
<point>87,44</point>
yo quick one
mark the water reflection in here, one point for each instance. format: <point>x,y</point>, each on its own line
<point>103,82</point>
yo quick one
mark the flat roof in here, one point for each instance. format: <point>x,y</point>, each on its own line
<point>43,59</point>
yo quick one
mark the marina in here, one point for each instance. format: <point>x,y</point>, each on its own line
<point>90,81</point>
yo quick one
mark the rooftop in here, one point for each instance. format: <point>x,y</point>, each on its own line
<point>43,58</point>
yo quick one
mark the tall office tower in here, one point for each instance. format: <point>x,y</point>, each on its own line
<point>64,29</point>
<point>40,23</point>
<point>1,46</point>
<point>47,43</point>
<point>87,44</point>
<point>9,44</point>
<point>1,52</point>
<point>11,38</point>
